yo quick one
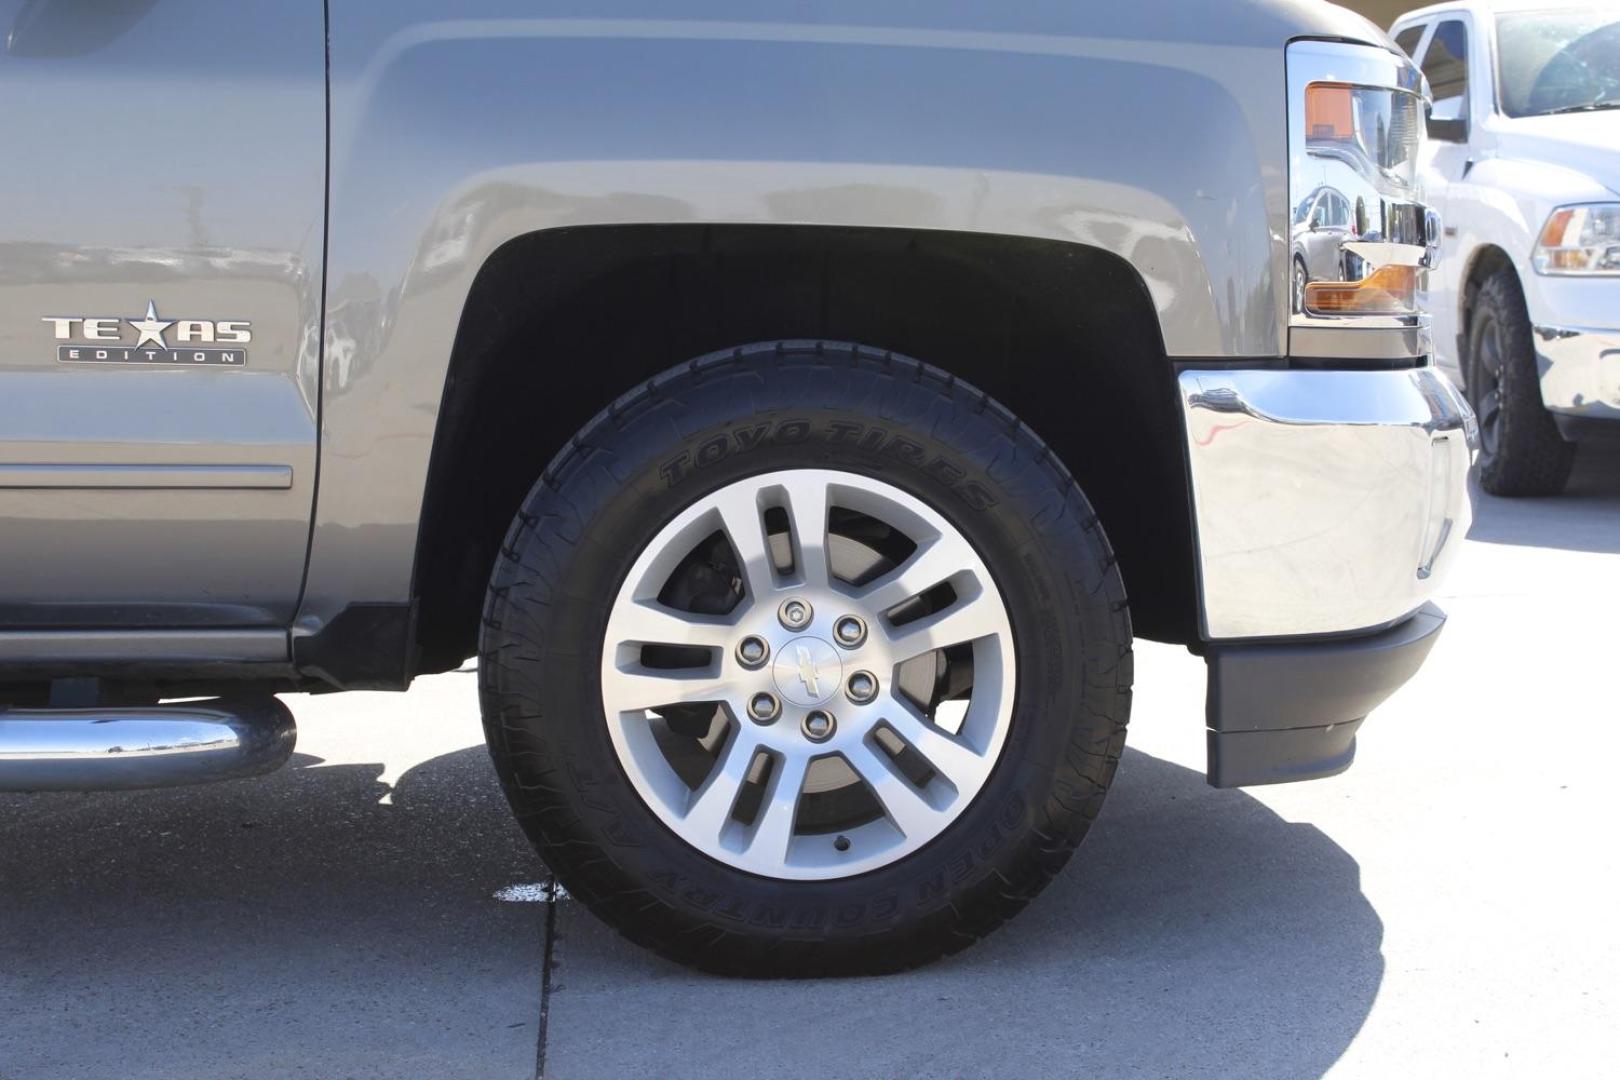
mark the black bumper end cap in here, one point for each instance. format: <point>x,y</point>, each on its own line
<point>1285,711</point>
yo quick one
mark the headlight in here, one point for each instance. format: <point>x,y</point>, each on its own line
<point>1375,130</point>
<point>1359,233</point>
<point>1580,240</point>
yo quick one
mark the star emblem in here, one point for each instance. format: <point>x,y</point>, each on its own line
<point>150,328</point>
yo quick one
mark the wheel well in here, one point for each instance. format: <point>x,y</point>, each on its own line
<point>559,323</point>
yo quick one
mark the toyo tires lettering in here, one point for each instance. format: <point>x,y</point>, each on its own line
<point>796,432</point>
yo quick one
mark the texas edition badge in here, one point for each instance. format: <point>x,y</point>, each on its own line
<point>104,340</point>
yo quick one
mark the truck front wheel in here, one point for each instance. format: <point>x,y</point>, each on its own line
<point>1521,451</point>
<point>805,659</point>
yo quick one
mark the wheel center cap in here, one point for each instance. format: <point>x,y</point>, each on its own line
<point>807,671</point>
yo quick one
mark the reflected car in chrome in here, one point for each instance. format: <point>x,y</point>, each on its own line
<point>1323,224</point>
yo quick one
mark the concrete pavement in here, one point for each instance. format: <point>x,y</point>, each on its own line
<point>1446,908</point>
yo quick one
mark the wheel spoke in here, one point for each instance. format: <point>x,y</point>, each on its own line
<point>952,759</point>
<point>745,527</point>
<point>1490,351</point>
<point>773,829</point>
<point>637,687</point>
<point>807,517</point>
<point>711,804</point>
<point>968,619</point>
<point>928,566</point>
<point>649,622</point>
<point>903,804</point>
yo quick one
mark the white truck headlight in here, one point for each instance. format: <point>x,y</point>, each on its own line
<point>1360,236</point>
<point>1581,240</point>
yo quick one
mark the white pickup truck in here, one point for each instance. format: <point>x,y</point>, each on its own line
<point>1523,163</point>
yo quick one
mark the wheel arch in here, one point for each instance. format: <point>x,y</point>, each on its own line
<point>559,323</point>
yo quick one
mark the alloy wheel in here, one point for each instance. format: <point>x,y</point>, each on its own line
<point>840,705</point>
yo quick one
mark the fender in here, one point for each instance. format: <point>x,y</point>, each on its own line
<point>1157,133</point>
<point>1503,203</point>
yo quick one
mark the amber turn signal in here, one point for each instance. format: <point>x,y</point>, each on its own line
<point>1389,290</point>
<point>1552,234</point>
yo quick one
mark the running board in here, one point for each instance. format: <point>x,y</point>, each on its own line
<point>118,748</point>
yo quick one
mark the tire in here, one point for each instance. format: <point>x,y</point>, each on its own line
<point>886,428</point>
<point>1522,452</point>
<point>1301,278</point>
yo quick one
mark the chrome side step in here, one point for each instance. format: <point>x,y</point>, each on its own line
<point>109,748</point>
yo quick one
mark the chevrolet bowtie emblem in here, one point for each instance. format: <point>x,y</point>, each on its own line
<point>808,674</point>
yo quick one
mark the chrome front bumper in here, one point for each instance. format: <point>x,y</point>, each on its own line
<point>1326,501</point>
<point>1580,370</point>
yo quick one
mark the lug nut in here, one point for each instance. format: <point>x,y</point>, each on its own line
<point>752,651</point>
<point>763,708</point>
<point>849,630</point>
<point>818,725</point>
<point>862,687</point>
<point>795,613</point>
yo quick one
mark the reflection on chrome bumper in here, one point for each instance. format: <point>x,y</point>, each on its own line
<point>1350,342</point>
<point>1580,370</point>
<point>1326,501</point>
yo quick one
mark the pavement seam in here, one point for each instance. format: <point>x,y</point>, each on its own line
<point>545,979</point>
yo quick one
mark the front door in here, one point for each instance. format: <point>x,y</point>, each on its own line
<point>161,248</point>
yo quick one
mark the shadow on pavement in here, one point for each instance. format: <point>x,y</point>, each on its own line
<point>257,928</point>
<point>1586,517</point>
<point>1196,933</point>
<point>296,923</point>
